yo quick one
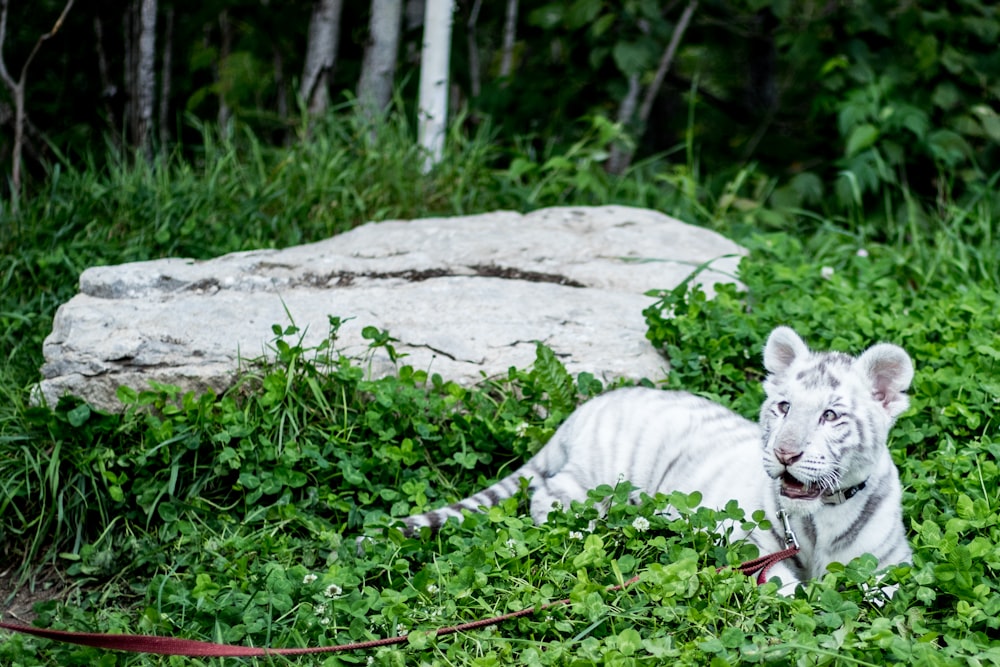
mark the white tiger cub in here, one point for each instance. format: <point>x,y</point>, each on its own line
<point>819,454</point>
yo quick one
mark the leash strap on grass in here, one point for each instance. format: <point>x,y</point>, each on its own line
<point>194,648</point>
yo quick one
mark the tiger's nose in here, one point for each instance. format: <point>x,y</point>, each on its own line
<point>786,457</point>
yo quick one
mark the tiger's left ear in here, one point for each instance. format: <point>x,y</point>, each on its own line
<point>889,372</point>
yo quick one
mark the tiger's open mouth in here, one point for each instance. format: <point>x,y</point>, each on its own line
<point>794,488</point>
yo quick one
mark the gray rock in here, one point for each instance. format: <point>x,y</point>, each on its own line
<point>466,297</point>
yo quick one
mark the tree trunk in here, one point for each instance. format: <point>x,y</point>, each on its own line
<point>145,90</point>
<point>475,80</point>
<point>509,38</point>
<point>321,53</point>
<point>378,69</point>
<point>621,154</point>
<point>432,113</point>
<point>166,79</point>
<point>108,89</point>
<point>281,92</point>
<point>221,69</point>
<point>129,115</point>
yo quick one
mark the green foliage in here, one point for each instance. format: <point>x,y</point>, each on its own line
<point>232,517</point>
<point>909,89</point>
<point>946,444</point>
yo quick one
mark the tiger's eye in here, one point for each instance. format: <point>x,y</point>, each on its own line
<point>783,407</point>
<point>829,416</point>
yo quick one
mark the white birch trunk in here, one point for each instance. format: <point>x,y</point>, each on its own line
<point>432,112</point>
<point>378,69</point>
<point>321,53</point>
<point>146,77</point>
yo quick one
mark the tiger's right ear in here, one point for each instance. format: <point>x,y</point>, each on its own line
<point>783,347</point>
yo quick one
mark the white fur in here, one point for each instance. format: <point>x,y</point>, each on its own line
<point>824,422</point>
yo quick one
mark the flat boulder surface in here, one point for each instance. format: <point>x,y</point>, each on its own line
<point>465,297</point>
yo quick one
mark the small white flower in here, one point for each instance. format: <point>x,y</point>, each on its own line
<point>333,590</point>
<point>400,629</point>
<point>862,252</point>
<point>309,578</point>
<point>432,589</point>
<point>510,543</point>
<point>370,660</point>
<point>575,535</point>
<point>320,609</point>
<point>826,272</point>
<point>325,620</point>
<point>521,429</point>
<point>641,524</point>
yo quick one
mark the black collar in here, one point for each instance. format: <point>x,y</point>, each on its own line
<point>842,495</point>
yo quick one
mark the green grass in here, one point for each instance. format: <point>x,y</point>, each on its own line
<point>232,518</point>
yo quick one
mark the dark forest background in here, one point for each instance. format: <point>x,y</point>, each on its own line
<point>833,100</point>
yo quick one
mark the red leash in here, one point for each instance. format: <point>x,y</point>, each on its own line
<point>765,563</point>
<point>195,648</point>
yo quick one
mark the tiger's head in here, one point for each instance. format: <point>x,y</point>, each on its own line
<point>827,416</point>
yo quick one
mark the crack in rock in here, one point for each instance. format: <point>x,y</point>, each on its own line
<point>479,362</point>
<point>510,273</point>
<point>347,278</point>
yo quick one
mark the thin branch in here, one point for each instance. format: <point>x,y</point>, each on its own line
<point>47,36</point>
<point>17,88</point>
<point>4,74</point>
<point>666,61</point>
<point>620,156</point>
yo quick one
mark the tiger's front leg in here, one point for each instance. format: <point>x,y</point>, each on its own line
<point>554,493</point>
